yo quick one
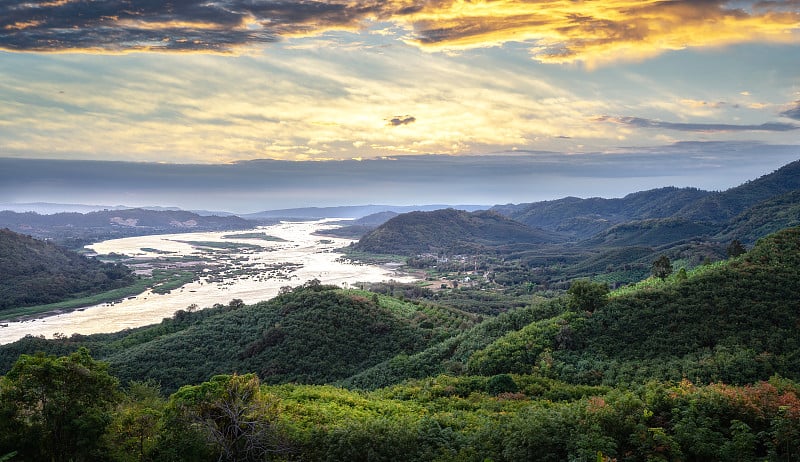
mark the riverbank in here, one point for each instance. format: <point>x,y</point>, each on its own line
<point>253,270</point>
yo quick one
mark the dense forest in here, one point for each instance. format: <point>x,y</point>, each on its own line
<point>697,365</point>
<point>34,272</point>
<point>631,329</point>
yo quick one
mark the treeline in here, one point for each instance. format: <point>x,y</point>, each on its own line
<point>71,409</point>
<point>34,272</point>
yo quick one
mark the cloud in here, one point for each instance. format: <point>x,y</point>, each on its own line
<point>698,127</point>
<point>401,120</point>
<point>556,31</point>
<point>250,186</point>
<point>793,113</point>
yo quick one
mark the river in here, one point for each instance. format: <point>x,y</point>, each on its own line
<point>290,255</point>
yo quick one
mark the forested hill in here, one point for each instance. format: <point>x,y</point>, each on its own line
<point>34,272</point>
<point>77,229</point>
<point>450,230</point>
<point>734,321</point>
<point>722,206</point>
<point>582,218</point>
<point>313,334</point>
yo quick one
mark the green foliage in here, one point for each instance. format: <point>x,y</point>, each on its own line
<point>653,232</point>
<point>735,248</point>
<point>586,295</point>
<point>313,334</point>
<point>732,321</point>
<point>764,218</point>
<point>56,408</point>
<point>235,419</point>
<point>134,431</point>
<point>34,272</point>
<point>662,267</point>
<point>501,383</point>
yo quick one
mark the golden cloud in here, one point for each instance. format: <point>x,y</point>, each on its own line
<point>594,33</point>
<point>556,31</point>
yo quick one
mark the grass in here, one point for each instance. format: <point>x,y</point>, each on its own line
<point>262,236</point>
<point>169,280</point>
<point>222,245</point>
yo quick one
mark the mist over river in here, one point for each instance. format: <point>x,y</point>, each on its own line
<point>286,254</point>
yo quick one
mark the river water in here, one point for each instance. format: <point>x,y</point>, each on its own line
<point>263,268</point>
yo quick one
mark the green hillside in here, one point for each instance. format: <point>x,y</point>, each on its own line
<point>654,232</point>
<point>699,366</point>
<point>582,218</point>
<point>34,272</point>
<point>725,205</point>
<point>733,322</point>
<point>313,334</point>
<point>449,230</point>
<point>764,218</point>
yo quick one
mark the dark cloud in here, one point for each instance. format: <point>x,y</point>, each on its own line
<point>793,113</point>
<point>176,25</point>
<point>271,184</point>
<point>401,120</point>
<point>560,30</point>
<point>696,127</point>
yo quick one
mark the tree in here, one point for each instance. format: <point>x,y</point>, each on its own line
<point>233,415</point>
<point>586,295</point>
<point>134,430</point>
<point>662,267</point>
<point>57,408</point>
<point>735,249</point>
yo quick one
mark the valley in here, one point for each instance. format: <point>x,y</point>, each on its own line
<point>658,326</point>
<point>215,268</point>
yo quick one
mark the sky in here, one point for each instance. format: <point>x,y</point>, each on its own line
<point>301,103</point>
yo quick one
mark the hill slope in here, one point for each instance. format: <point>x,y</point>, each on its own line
<point>582,218</point>
<point>454,231</point>
<point>725,205</point>
<point>313,334</point>
<point>654,232</point>
<point>736,322</point>
<point>34,272</point>
<point>763,218</point>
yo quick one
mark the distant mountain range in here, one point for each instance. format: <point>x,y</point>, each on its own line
<point>354,211</point>
<point>77,229</point>
<point>583,218</point>
<point>49,208</point>
<point>652,218</point>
